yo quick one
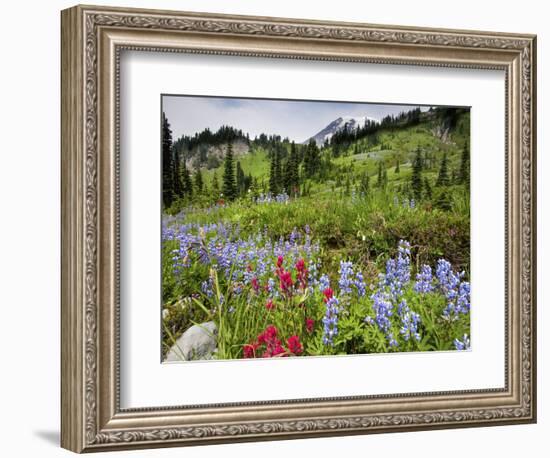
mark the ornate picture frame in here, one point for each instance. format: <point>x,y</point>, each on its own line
<point>92,41</point>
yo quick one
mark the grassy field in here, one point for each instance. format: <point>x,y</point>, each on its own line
<point>336,269</point>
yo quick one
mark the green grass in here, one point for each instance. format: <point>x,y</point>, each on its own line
<point>255,162</point>
<point>348,227</point>
<point>398,143</point>
<point>364,231</point>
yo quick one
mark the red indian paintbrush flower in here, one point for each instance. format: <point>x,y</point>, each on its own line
<point>328,293</point>
<point>310,323</point>
<point>268,345</point>
<point>275,350</point>
<point>249,350</point>
<point>302,273</point>
<point>285,281</point>
<point>269,304</point>
<point>294,345</point>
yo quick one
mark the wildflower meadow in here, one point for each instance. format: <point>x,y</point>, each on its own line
<point>366,253</point>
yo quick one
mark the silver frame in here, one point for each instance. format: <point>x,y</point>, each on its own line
<point>92,40</point>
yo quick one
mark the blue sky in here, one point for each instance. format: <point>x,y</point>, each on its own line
<point>297,120</point>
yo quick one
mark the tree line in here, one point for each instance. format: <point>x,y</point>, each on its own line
<point>293,166</point>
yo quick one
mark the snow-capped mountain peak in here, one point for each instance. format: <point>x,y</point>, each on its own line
<point>352,123</point>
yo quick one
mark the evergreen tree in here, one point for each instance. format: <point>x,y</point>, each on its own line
<point>254,186</point>
<point>278,171</point>
<point>454,176</point>
<point>385,179</point>
<point>199,183</point>
<point>380,180</point>
<point>247,182</point>
<point>416,180</point>
<point>294,178</point>
<point>273,183</point>
<point>241,182</point>
<point>186,183</point>
<point>167,164</point>
<point>177,183</point>
<point>443,177</point>
<point>364,184</point>
<point>311,159</point>
<point>347,187</point>
<point>427,189</point>
<point>464,175</point>
<point>215,186</point>
<point>396,166</point>
<point>229,188</point>
<point>287,175</point>
<point>443,200</point>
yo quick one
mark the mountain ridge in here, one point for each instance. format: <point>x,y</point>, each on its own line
<point>351,122</point>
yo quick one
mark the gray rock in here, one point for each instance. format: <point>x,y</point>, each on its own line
<point>198,342</point>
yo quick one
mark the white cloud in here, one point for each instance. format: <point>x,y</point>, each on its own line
<point>297,120</point>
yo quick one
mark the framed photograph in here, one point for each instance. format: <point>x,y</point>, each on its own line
<point>278,228</point>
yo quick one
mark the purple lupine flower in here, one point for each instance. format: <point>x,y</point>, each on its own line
<point>346,274</point>
<point>398,270</point>
<point>324,282</point>
<point>402,307</point>
<point>392,341</point>
<point>359,283</point>
<point>269,198</point>
<point>463,301</point>
<point>456,292</point>
<point>424,280</point>
<point>463,344</point>
<point>383,310</point>
<point>409,322</point>
<point>206,287</point>
<point>330,320</point>
<point>389,293</point>
<point>270,285</point>
<point>294,237</point>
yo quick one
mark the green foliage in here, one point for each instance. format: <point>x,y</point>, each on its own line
<point>364,186</point>
<point>443,177</point>
<point>199,183</point>
<point>416,181</point>
<point>167,164</point>
<point>464,174</point>
<point>311,159</point>
<point>380,181</point>
<point>291,172</point>
<point>186,185</point>
<point>229,188</point>
<point>364,231</point>
<point>427,190</point>
<point>274,174</point>
<point>215,186</point>
<point>351,217</point>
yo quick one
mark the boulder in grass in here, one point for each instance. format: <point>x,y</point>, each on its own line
<point>198,342</point>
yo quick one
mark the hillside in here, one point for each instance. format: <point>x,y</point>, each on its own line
<point>370,231</point>
<point>433,135</point>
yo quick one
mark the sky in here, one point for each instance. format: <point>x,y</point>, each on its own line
<point>297,120</point>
